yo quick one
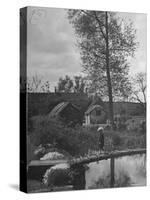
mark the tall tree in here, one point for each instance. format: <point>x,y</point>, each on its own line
<point>79,84</point>
<point>65,84</point>
<point>76,84</point>
<point>105,41</point>
<point>139,88</point>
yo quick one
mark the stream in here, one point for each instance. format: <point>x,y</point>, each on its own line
<point>129,171</point>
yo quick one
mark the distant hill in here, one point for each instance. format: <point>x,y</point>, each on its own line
<point>43,103</point>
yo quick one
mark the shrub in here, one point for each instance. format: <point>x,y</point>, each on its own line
<point>57,175</point>
<point>116,140</point>
<point>78,140</point>
<point>73,140</point>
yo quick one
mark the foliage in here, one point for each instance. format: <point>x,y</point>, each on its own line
<point>139,89</point>
<point>57,175</point>
<point>106,41</point>
<point>36,84</point>
<point>116,140</point>
<point>65,84</point>
<point>79,84</point>
<point>79,140</point>
<point>91,29</point>
<point>52,156</point>
<point>73,140</point>
<point>76,85</point>
<point>120,140</point>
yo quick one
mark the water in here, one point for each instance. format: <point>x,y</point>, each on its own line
<point>129,171</point>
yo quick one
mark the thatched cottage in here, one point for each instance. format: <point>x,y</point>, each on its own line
<point>95,114</point>
<point>76,107</point>
<point>67,112</point>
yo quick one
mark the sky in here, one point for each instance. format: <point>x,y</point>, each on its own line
<point>51,44</point>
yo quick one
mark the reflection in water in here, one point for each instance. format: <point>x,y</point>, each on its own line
<point>129,171</point>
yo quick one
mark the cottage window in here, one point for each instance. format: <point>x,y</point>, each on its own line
<point>98,112</point>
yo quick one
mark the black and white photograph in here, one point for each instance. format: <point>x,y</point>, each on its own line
<point>83,86</point>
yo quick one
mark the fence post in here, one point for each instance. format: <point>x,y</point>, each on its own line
<point>112,172</point>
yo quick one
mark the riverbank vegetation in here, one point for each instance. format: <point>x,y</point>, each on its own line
<point>79,140</point>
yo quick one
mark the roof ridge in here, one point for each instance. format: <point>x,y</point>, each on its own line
<point>91,107</point>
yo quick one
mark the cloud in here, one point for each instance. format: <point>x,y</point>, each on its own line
<point>51,44</point>
<point>138,63</point>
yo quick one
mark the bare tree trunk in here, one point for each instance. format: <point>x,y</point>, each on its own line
<point>111,113</point>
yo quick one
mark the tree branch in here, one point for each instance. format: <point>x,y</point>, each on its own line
<point>100,25</point>
<point>118,49</point>
<point>99,22</point>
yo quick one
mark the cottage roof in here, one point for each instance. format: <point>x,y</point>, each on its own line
<point>59,108</point>
<point>91,108</point>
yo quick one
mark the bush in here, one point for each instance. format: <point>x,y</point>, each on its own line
<point>57,175</point>
<point>117,140</point>
<point>79,140</point>
<point>73,140</point>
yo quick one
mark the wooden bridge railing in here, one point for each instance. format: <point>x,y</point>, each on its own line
<point>105,156</point>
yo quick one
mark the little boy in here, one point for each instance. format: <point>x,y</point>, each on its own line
<point>100,130</point>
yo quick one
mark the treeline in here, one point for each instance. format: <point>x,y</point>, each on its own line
<point>136,87</point>
<point>77,84</point>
